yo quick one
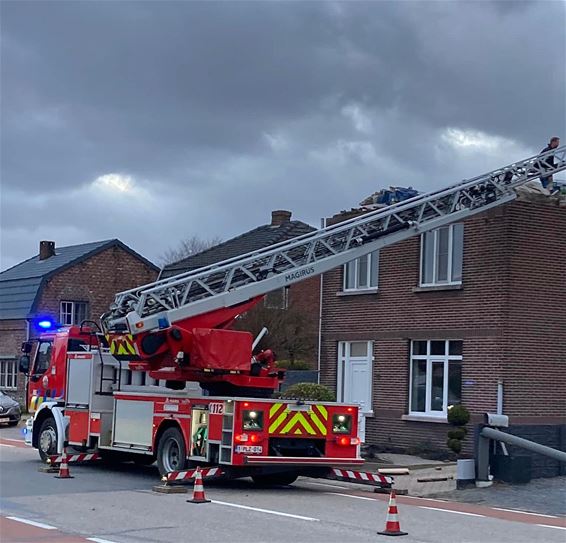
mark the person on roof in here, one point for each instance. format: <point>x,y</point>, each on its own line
<point>549,162</point>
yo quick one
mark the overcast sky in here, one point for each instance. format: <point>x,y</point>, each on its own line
<point>154,121</point>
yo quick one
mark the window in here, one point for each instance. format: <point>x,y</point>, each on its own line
<point>361,274</point>
<point>73,312</point>
<point>8,373</point>
<point>441,255</point>
<point>42,358</point>
<point>436,377</point>
<point>277,299</point>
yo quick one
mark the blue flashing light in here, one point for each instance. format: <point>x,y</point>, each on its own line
<point>162,322</point>
<point>45,324</point>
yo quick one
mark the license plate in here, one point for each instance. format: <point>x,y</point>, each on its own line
<point>253,449</point>
<point>4,420</point>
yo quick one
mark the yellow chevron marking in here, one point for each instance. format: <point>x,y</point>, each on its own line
<point>130,343</point>
<point>274,408</point>
<point>298,417</point>
<point>323,411</point>
<point>278,421</point>
<point>318,423</point>
<point>298,431</point>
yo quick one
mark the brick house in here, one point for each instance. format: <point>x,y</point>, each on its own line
<point>454,316</point>
<point>66,285</point>
<point>303,297</point>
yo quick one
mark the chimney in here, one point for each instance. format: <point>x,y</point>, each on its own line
<point>46,249</point>
<point>280,216</point>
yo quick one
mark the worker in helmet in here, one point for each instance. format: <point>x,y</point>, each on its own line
<point>549,162</point>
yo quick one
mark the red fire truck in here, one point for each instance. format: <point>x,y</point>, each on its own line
<point>81,393</point>
<point>120,388</point>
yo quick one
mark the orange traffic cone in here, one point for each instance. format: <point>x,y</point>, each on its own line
<point>198,490</point>
<point>64,472</point>
<point>392,526</point>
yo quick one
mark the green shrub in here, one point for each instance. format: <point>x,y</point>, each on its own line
<point>457,433</point>
<point>455,445</point>
<point>308,391</point>
<point>458,415</point>
<point>293,365</point>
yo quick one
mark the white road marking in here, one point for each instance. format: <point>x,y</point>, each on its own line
<point>524,512</point>
<point>351,496</point>
<point>12,439</point>
<point>325,484</point>
<point>98,540</point>
<point>427,499</point>
<point>264,510</point>
<point>549,526</point>
<point>33,523</point>
<point>6,445</point>
<point>450,511</point>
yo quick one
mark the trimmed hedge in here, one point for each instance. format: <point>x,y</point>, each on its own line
<point>308,391</point>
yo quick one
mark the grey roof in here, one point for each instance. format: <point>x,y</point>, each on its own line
<point>255,239</point>
<point>21,284</point>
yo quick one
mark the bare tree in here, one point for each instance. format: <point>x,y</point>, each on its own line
<point>187,247</point>
<point>292,334</point>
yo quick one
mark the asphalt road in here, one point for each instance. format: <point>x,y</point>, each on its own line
<point>118,506</point>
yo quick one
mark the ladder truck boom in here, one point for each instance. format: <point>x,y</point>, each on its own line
<point>154,324</point>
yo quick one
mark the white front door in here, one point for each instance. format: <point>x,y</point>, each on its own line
<point>355,377</point>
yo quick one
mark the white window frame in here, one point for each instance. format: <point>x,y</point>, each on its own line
<point>344,357</point>
<point>430,359</point>
<point>356,263</point>
<point>74,304</point>
<point>8,379</point>
<point>435,280</point>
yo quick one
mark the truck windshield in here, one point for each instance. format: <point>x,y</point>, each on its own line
<point>43,358</point>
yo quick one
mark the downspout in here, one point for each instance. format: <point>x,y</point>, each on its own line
<point>319,354</point>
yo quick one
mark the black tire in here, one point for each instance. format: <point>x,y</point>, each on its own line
<point>47,440</point>
<point>13,423</point>
<point>275,479</point>
<point>171,451</point>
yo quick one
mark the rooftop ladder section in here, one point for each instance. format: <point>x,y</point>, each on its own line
<point>241,278</point>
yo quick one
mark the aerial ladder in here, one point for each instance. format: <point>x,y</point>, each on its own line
<point>173,327</point>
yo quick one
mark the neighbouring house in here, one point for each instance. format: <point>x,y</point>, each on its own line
<point>66,285</point>
<point>289,308</point>
<point>471,313</point>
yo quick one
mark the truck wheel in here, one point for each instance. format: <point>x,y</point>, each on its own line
<point>171,451</point>
<point>47,441</point>
<point>275,479</point>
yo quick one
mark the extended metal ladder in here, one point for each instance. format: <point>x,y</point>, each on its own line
<point>241,278</point>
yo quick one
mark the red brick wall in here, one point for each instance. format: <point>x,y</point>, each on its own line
<point>12,334</point>
<point>535,363</point>
<point>95,280</point>
<point>306,297</point>
<point>511,329</point>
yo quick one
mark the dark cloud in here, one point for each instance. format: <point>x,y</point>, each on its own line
<point>222,111</point>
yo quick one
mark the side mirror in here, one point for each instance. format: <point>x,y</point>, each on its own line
<point>26,347</point>
<point>24,364</point>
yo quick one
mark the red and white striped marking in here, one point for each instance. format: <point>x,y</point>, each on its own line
<point>83,457</point>
<point>207,473</point>
<point>363,477</point>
